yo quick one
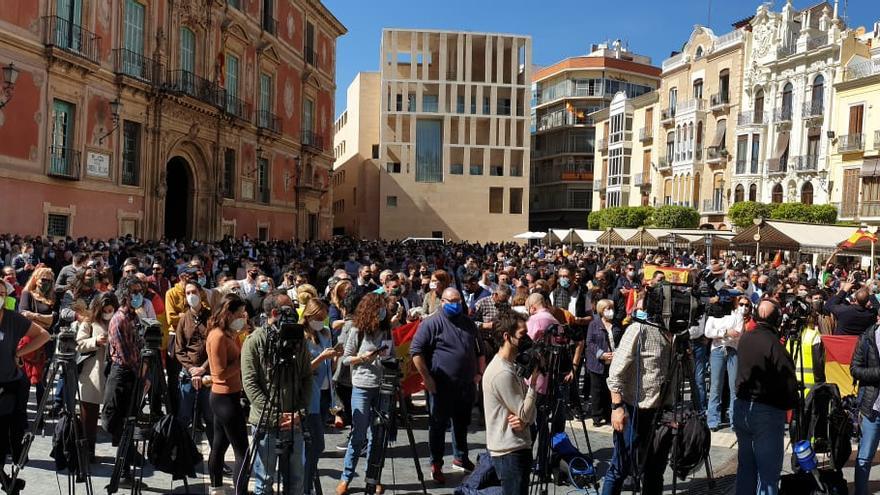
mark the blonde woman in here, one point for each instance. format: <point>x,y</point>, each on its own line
<point>38,305</point>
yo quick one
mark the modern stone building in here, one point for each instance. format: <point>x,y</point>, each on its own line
<point>452,151</point>
<point>182,118</point>
<point>564,140</point>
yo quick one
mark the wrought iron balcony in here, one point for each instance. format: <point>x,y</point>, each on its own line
<point>713,205</point>
<point>313,141</point>
<point>667,116</point>
<point>663,163</point>
<point>716,154</point>
<point>237,107</point>
<point>269,121</point>
<point>817,41</point>
<point>602,145</point>
<point>64,163</point>
<point>646,134</point>
<point>813,109</point>
<point>783,113</point>
<point>777,166</point>
<point>72,38</point>
<point>849,143</point>
<point>719,101</point>
<point>135,65</point>
<point>750,117</point>
<point>186,83</point>
<point>806,163</point>
<point>786,50</point>
<point>638,180</point>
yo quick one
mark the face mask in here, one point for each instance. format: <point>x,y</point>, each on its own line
<point>818,305</point>
<point>641,314</point>
<point>193,300</point>
<point>237,324</point>
<point>452,309</point>
<point>383,313</point>
<point>264,287</point>
<point>608,314</point>
<point>802,293</point>
<point>432,285</point>
<point>203,281</point>
<point>316,325</point>
<point>46,286</point>
<point>107,316</point>
<point>564,282</point>
<point>89,283</point>
<point>396,291</point>
<point>137,301</point>
<point>521,310</point>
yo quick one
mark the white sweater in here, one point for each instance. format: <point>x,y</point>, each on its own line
<point>716,329</point>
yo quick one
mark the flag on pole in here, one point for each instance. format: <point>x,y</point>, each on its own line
<point>777,261</point>
<point>838,355</point>
<point>411,380</point>
<point>857,236</point>
<point>631,300</point>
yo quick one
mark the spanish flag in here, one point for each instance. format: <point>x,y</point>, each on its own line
<point>838,355</point>
<point>857,236</point>
<point>777,260</point>
<point>411,380</point>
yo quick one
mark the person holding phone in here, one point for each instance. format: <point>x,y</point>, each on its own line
<point>364,345</point>
<point>319,342</point>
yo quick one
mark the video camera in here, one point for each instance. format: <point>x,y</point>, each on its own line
<point>65,342</point>
<point>794,313</point>
<point>287,335</point>
<point>676,305</point>
<point>150,331</point>
<point>531,353</point>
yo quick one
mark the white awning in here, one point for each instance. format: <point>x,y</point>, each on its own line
<point>531,235</point>
<point>588,236</point>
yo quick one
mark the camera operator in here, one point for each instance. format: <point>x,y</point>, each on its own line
<point>852,319</point>
<point>256,374</point>
<point>766,387</point>
<point>189,349</point>
<point>509,407</point>
<point>13,384</point>
<point>865,368</point>
<point>635,379</point>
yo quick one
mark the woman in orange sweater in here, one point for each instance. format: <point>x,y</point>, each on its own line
<point>224,362</point>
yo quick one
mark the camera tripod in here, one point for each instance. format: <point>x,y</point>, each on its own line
<point>554,408</point>
<point>63,364</point>
<point>148,393</point>
<point>392,404</point>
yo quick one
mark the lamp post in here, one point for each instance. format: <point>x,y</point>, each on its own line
<point>708,240</point>
<point>873,231</point>
<point>10,76</point>
<point>115,110</point>
<point>758,222</point>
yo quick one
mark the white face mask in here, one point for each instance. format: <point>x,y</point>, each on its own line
<point>194,300</point>
<point>521,310</point>
<point>107,316</point>
<point>237,324</point>
<point>316,325</point>
<point>432,285</point>
<point>608,314</point>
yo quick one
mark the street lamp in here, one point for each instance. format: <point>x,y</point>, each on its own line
<point>708,240</point>
<point>115,110</point>
<point>10,76</point>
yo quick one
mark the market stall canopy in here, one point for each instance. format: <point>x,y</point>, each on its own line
<point>646,238</point>
<point>611,238</point>
<point>589,237</point>
<point>792,236</point>
<point>562,235</point>
<point>679,240</point>
<point>531,235</point>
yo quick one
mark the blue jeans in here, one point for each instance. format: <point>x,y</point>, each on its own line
<point>721,358</point>
<point>760,432</point>
<point>315,426</point>
<point>867,449</point>
<point>636,440</point>
<point>264,465</point>
<point>513,470</point>
<point>188,398</point>
<point>700,349</point>
<point>363,401</point>
<point>451,403</point>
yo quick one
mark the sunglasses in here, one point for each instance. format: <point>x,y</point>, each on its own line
<point>744,305</point>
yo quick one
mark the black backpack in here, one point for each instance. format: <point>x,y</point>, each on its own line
<point>692,444</point>
<point>805,483</point>
<point>828,425</point>
<point>64,447</point>
<point>172,450</point>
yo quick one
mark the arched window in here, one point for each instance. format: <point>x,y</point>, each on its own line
<point>776,195</point>
<point>786,101</point>
<point>698,89</point>
<point>759,107</point>
<point>739,194</point>
<point>670,146</point>
<point>699,135</point>
<point>807,193</point>
<point>817,102</point>
<point>753,192</point>
<point>724,85</point>
<point>699,52</point>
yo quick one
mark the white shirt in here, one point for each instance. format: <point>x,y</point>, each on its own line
<point>716,329</point>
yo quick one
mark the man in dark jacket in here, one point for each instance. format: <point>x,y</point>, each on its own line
<point>766,387</point>
<point>852,319</point>
<point>865,367</point>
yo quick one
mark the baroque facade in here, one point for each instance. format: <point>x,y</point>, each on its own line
<point>184,119</point>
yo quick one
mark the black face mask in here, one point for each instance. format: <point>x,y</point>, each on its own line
<point>818,306</point>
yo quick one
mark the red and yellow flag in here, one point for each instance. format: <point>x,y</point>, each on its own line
<point>777,261</point>
<point>411,381</point>
<point>857,236</point>
<point>838,355</point>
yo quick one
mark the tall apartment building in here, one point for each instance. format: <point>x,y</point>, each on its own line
<point>625,153</point>
<point>782,144</point>
<point>855,129</point>
<point>181,118</point>
<point>564,134</point>
<point>699,101</point>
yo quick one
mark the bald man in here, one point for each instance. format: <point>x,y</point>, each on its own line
<point>766,387</point>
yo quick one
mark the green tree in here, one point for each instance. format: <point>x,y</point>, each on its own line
<point>795,212</point>
<point>625,217</point>
<point>824,214</point>
<point>594,219</point>
<point>742,214</point>
<point>676,217</point>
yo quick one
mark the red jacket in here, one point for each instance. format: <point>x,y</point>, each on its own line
<point>33,363</point>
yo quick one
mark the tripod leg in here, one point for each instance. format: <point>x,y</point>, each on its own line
<point>71,390</point>
<point>404,415</point>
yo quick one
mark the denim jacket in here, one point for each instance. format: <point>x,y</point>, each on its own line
<point>324,370</point>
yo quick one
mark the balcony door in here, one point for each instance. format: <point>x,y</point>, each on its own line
<point>759,107</point>
<point>133,39</point>
<point>62,137</point>
<point>232,84</point>
<point>68,28</point>
<point>265,99</point>
<point>786,101</point>
<point>187,63</point>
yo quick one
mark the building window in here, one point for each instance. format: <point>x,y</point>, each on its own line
<point>429,150</point>
<point>758,116</point>
<point>229,173</point>
<point>375,152</point>
<point>391,201</point>
<point>308,119</point>
<point>232,84</point>
<point>187,50</point>
<point>807,193</point>
<point>234,3</point>
<point>63,157</point>
<point>263,179</point>
<point>310,55</point>
<point>516,201</point>
<point>818,96</point>
<point>133,39</point>
<point>57,225</point>
<point>263,233</point>
<point>724,85</point>
<point>753,192</point>
<point>496,200</point>
<point>739,194</point>
<point>756,148</point>
<point>786,102</point>
<point>265,100</point>
<point>131,156</point>
<point>476,169</point>
<point>429,103</point>
<point>742,149</point>
<point>313,226</point>
<point>776,195</point>
<point>496,170</point>
<point>392,167</point>
<point>516,169</point>
<point>613,200</point>
<point>456,169</point>
<point>698,89</point>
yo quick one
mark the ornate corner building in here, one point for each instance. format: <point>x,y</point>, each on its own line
<point>168,118</point>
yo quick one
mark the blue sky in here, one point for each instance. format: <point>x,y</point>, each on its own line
<point>559,28</point>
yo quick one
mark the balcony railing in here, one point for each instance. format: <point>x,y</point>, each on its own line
<point>311,56</point>
<point>65,35</point>
<point>719,100</point>
<point>728,39</point>
<point>851,142</point>
<point>714,205</point>
<point>675,61</point>
<point>64,163</point>
<point>667,115</point>
<point>638,180</point>
<point>646,134</point>
<point>877,140</point>
<point>777,166</point>
<point>786,50</point>
<point>817,41</point>
<point>186,83</point>
<point>663,163</point>
<point>694,104</point>
<point>602,144</point>
<point>269,121</point>
<point>313,140</point>
<point>560,149</point>
<point>806,163</point>
<point>270,25</point>
<point>862,69</point>
<point>813,109</point>
<point>237,107</point>
<point>749,117</point>
<point>740,167</point>
<point>137,66</point>
<point>716,154</point>
<point>783,113</point>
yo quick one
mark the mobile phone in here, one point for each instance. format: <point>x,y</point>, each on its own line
<point>383,348</point>
<point>338,347</point>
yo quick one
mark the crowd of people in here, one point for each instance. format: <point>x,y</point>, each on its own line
<point>218,303</point>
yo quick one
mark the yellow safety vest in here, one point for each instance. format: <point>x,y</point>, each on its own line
<point>809,338</point>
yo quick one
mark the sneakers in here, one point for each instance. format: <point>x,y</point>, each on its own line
<point>463,465</point>
<point>342,446</point>
<point>437,474</point>
<point>342,488</point>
